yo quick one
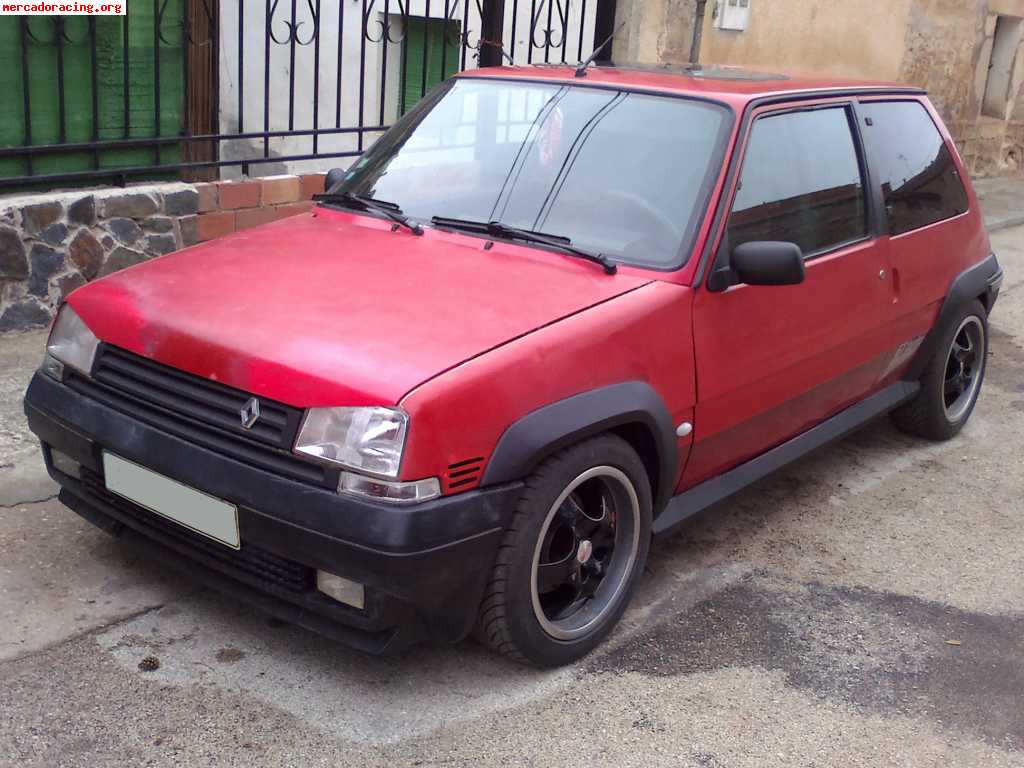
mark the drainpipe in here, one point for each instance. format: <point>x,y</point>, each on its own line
<point>698,31</point>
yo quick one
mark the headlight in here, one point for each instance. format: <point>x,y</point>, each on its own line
<point>71,342</point>
<point>366,439</point>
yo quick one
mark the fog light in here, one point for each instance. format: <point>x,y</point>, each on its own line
<point>53,367</point>
<point>64,463</point>
<point>388,490</point>
<point>342,590</point>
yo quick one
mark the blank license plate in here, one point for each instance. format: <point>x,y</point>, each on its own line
<point>186,506</point>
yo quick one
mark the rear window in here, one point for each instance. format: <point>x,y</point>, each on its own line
<point>915,167</point>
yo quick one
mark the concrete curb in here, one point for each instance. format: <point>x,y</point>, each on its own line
<point>1007,223</point>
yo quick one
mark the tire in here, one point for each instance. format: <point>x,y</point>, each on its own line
<point>938,412</point>
<point>572,555</point>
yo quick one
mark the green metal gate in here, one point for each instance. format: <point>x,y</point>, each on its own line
<point>63,82</point>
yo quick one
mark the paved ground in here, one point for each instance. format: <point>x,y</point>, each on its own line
<point>1001,202</point>
<point>863,608</point>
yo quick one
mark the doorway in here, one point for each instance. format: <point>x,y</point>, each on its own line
<point>1000,70</point>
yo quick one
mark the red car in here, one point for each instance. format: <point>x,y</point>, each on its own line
<point>548,316</point>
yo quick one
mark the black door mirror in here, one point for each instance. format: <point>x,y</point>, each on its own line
<point>768,263</point>
<point>334,177</point>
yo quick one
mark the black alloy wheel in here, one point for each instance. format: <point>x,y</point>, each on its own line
<point>572,555</point>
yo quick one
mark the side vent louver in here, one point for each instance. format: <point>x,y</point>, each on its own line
<point>463,475</point>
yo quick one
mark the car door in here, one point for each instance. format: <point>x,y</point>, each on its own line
<point>773,361</point>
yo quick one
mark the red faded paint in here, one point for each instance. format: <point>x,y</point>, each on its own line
<point>336,308</point>
<point>836,339</point>
<point>643,335</point>
<point>736,92</point>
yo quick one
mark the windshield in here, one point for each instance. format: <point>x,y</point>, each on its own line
<point>623,174</point>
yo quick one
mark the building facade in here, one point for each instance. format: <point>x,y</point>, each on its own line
<point>968,54</point>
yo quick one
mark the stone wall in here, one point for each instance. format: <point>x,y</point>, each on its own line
<point>990,147</point>
<point>654,31</point>
<point>948,51</point>
<point>859,38</point>
<point>53,243</point>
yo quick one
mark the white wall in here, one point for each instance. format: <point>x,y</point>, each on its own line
<point>350,13</point>
<point>575,13</point>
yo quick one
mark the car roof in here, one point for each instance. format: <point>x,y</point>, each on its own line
<point>734,85</point>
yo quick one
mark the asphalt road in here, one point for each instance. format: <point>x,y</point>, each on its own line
<point>865,607</point>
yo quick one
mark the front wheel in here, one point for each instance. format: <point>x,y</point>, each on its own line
<point>572,556</point>
<point>952,379</point>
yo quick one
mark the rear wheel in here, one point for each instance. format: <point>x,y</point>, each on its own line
<point>573,554</point>
<point>952,379</point>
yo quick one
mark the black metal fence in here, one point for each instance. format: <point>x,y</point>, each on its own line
<point>181,88</point>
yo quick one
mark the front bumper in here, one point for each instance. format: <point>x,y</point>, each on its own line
<point>424,566</point>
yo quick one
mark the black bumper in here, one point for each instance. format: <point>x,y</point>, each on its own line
<point>424,566</point>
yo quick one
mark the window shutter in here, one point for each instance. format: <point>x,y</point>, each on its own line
<point>412,66</point>
<point>416,38</point>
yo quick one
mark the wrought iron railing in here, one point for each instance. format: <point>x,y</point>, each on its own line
<point>187,87</point>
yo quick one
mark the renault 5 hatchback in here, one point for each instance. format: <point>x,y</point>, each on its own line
<point>545,318</point>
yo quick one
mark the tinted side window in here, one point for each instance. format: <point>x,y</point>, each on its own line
<point>801,182</point>
<point>915,168</point>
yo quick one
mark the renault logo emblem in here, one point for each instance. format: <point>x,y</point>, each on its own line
<point>250,413</point>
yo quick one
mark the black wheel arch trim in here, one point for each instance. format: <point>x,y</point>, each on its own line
<point>543,432</point>
<point>981,280</point>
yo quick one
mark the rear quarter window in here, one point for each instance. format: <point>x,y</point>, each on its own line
<point>919,179</point>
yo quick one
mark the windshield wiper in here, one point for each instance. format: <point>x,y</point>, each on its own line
<point>362,202</point>
<point>497,229</point>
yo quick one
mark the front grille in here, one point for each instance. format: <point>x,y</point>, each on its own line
<point>201,411</point>
<point>250,563</point>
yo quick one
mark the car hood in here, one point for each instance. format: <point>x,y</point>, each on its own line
<point>334,308</point>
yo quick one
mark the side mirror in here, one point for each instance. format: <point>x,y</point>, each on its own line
<point>768,263</point>
<point>334,177</point>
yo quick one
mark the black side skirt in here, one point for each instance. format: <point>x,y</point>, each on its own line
<point>699,498</point>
